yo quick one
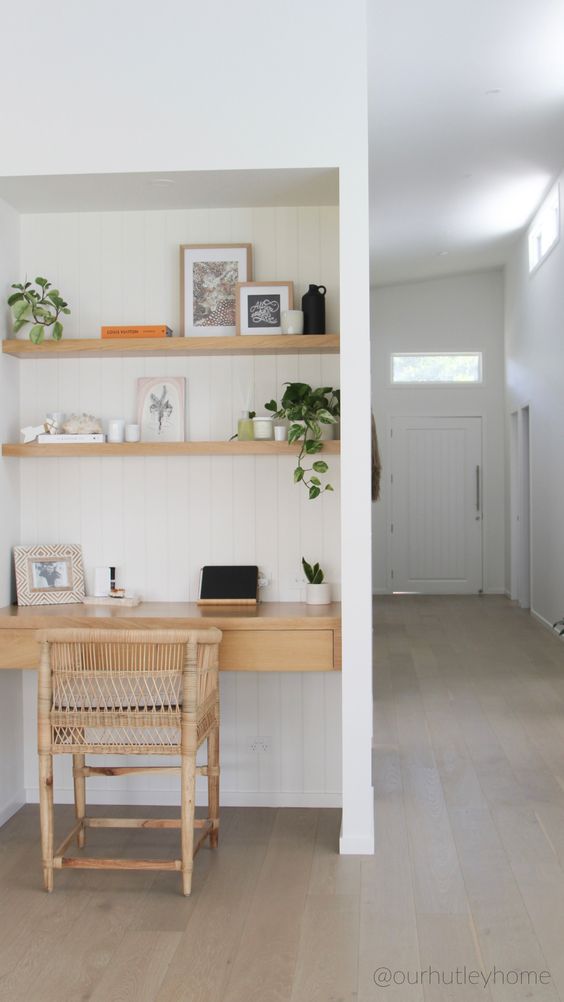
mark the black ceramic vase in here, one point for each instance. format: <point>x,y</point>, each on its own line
<point>313,305</point>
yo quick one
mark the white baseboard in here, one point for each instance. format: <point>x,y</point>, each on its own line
<point>8,810</point>
<point>544,622</point>
<point>164,798</point>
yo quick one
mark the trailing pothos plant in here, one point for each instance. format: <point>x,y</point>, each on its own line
<point>307,410</point>
<point>40,306</point>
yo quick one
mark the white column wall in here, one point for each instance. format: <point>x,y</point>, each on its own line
<point>231,86</point>
<point>11,733</point>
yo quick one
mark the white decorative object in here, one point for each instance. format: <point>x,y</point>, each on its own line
<point>132,433</point>
<point>102,581</point>
<point>54,421</point>
<point>263,428</point>
<point>318,594</point>
<point>280,432</point>
<point>116,430</point>
<point>82,424</point>
<point>293,322</point>
<point>30,432</point>
<point>161,406</point>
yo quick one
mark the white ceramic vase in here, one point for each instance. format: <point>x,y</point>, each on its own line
<point>318,594</point>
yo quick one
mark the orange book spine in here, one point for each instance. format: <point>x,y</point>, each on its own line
<point>149,330</point>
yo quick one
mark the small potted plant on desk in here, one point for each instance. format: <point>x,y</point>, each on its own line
<point>318,592</point>
<point>309,412</point>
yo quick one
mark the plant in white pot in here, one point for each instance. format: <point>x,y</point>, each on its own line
<point>318,592</point>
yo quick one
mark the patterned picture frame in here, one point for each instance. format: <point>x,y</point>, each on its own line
<point>209,274</point>
<point>49,574</point>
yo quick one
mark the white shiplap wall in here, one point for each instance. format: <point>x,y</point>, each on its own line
<point>160,519</point>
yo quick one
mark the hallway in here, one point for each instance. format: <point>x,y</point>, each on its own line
<point>469,746</point>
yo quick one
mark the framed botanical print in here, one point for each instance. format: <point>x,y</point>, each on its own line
<point>260,306</point>
<point>209,274</point>
<point>49,575</point>
<point>161,406</point>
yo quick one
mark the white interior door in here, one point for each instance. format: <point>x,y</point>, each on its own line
<point>436,521</point>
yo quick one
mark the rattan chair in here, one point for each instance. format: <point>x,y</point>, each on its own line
<point>128,692</point>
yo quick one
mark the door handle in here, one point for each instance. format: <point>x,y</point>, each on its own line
<point>478,489</point>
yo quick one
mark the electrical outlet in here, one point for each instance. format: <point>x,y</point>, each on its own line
<point>259,744</point>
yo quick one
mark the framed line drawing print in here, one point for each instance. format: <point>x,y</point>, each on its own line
<point>161,408</point>
<point>260,306</point>
<point>49,575</point>
<point>209,274</point>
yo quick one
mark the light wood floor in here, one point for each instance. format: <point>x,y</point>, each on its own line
<point>468,872</point>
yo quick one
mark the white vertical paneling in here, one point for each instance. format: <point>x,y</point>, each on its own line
<point>161,519</point>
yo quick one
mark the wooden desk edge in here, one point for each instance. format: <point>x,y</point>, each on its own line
<point>251,642</point>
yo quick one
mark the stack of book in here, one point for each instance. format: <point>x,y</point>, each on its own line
<point>136,331</point>
<point>70,439</point>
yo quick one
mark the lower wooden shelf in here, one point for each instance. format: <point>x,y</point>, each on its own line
<point>68,451</point>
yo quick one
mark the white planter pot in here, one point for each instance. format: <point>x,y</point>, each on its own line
<point>318,594</point>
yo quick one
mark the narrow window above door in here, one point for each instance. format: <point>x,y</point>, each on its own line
<point>435,367</point>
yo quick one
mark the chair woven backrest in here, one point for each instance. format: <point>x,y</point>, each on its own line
<point>115,690</point>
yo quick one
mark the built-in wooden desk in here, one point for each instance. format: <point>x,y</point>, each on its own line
<point>274,636</point>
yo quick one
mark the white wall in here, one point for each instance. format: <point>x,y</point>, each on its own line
<point>11,765</point>
<point>459,313</point>
<point>159,519</point>
<point>535,364</point>
<point>230,86</point>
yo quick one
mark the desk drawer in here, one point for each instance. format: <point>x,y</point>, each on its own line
<point>277,650</point>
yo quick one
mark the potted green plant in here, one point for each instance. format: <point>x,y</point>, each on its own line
<point>308,411</point>
<point>40,306</point>
<point>318,592</point>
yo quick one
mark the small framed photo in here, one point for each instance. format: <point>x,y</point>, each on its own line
<point>49,575</point>
<point>260,306</point>
<point>161,407</point>
<point>209,274</point>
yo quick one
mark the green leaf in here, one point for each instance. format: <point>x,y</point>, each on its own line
<point>328,487</point>
<point>65,311</point>
<point>316,481</point>
<point>42,282</point>
<point>57,330</point>
<point>314,492</point>
<point>312,446</point>
<point>17,285</point>
<point>298,474</point>
<point>320,466</point>
<point>37,333</point>
<point>271,405</point>
<point>308,571</point>
<point>15,298</point>
<point>19,324</point>
<point>296,432</point>
<point>20,309</point>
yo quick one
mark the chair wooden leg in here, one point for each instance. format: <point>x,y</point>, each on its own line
<point>213,785</point>
<point>187,801</point>
<point>78,762</point>
<point>46,817</point>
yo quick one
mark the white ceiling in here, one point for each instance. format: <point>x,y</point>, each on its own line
<point>453,167</point>
<point>171,190</point>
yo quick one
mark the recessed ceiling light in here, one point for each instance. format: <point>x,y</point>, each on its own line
<point>492,92</point>
<point>161,182</point>
<point>442,253</point>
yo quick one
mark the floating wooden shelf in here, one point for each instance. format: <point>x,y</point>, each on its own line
<point>168,347</point>
<point>160,449</point>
